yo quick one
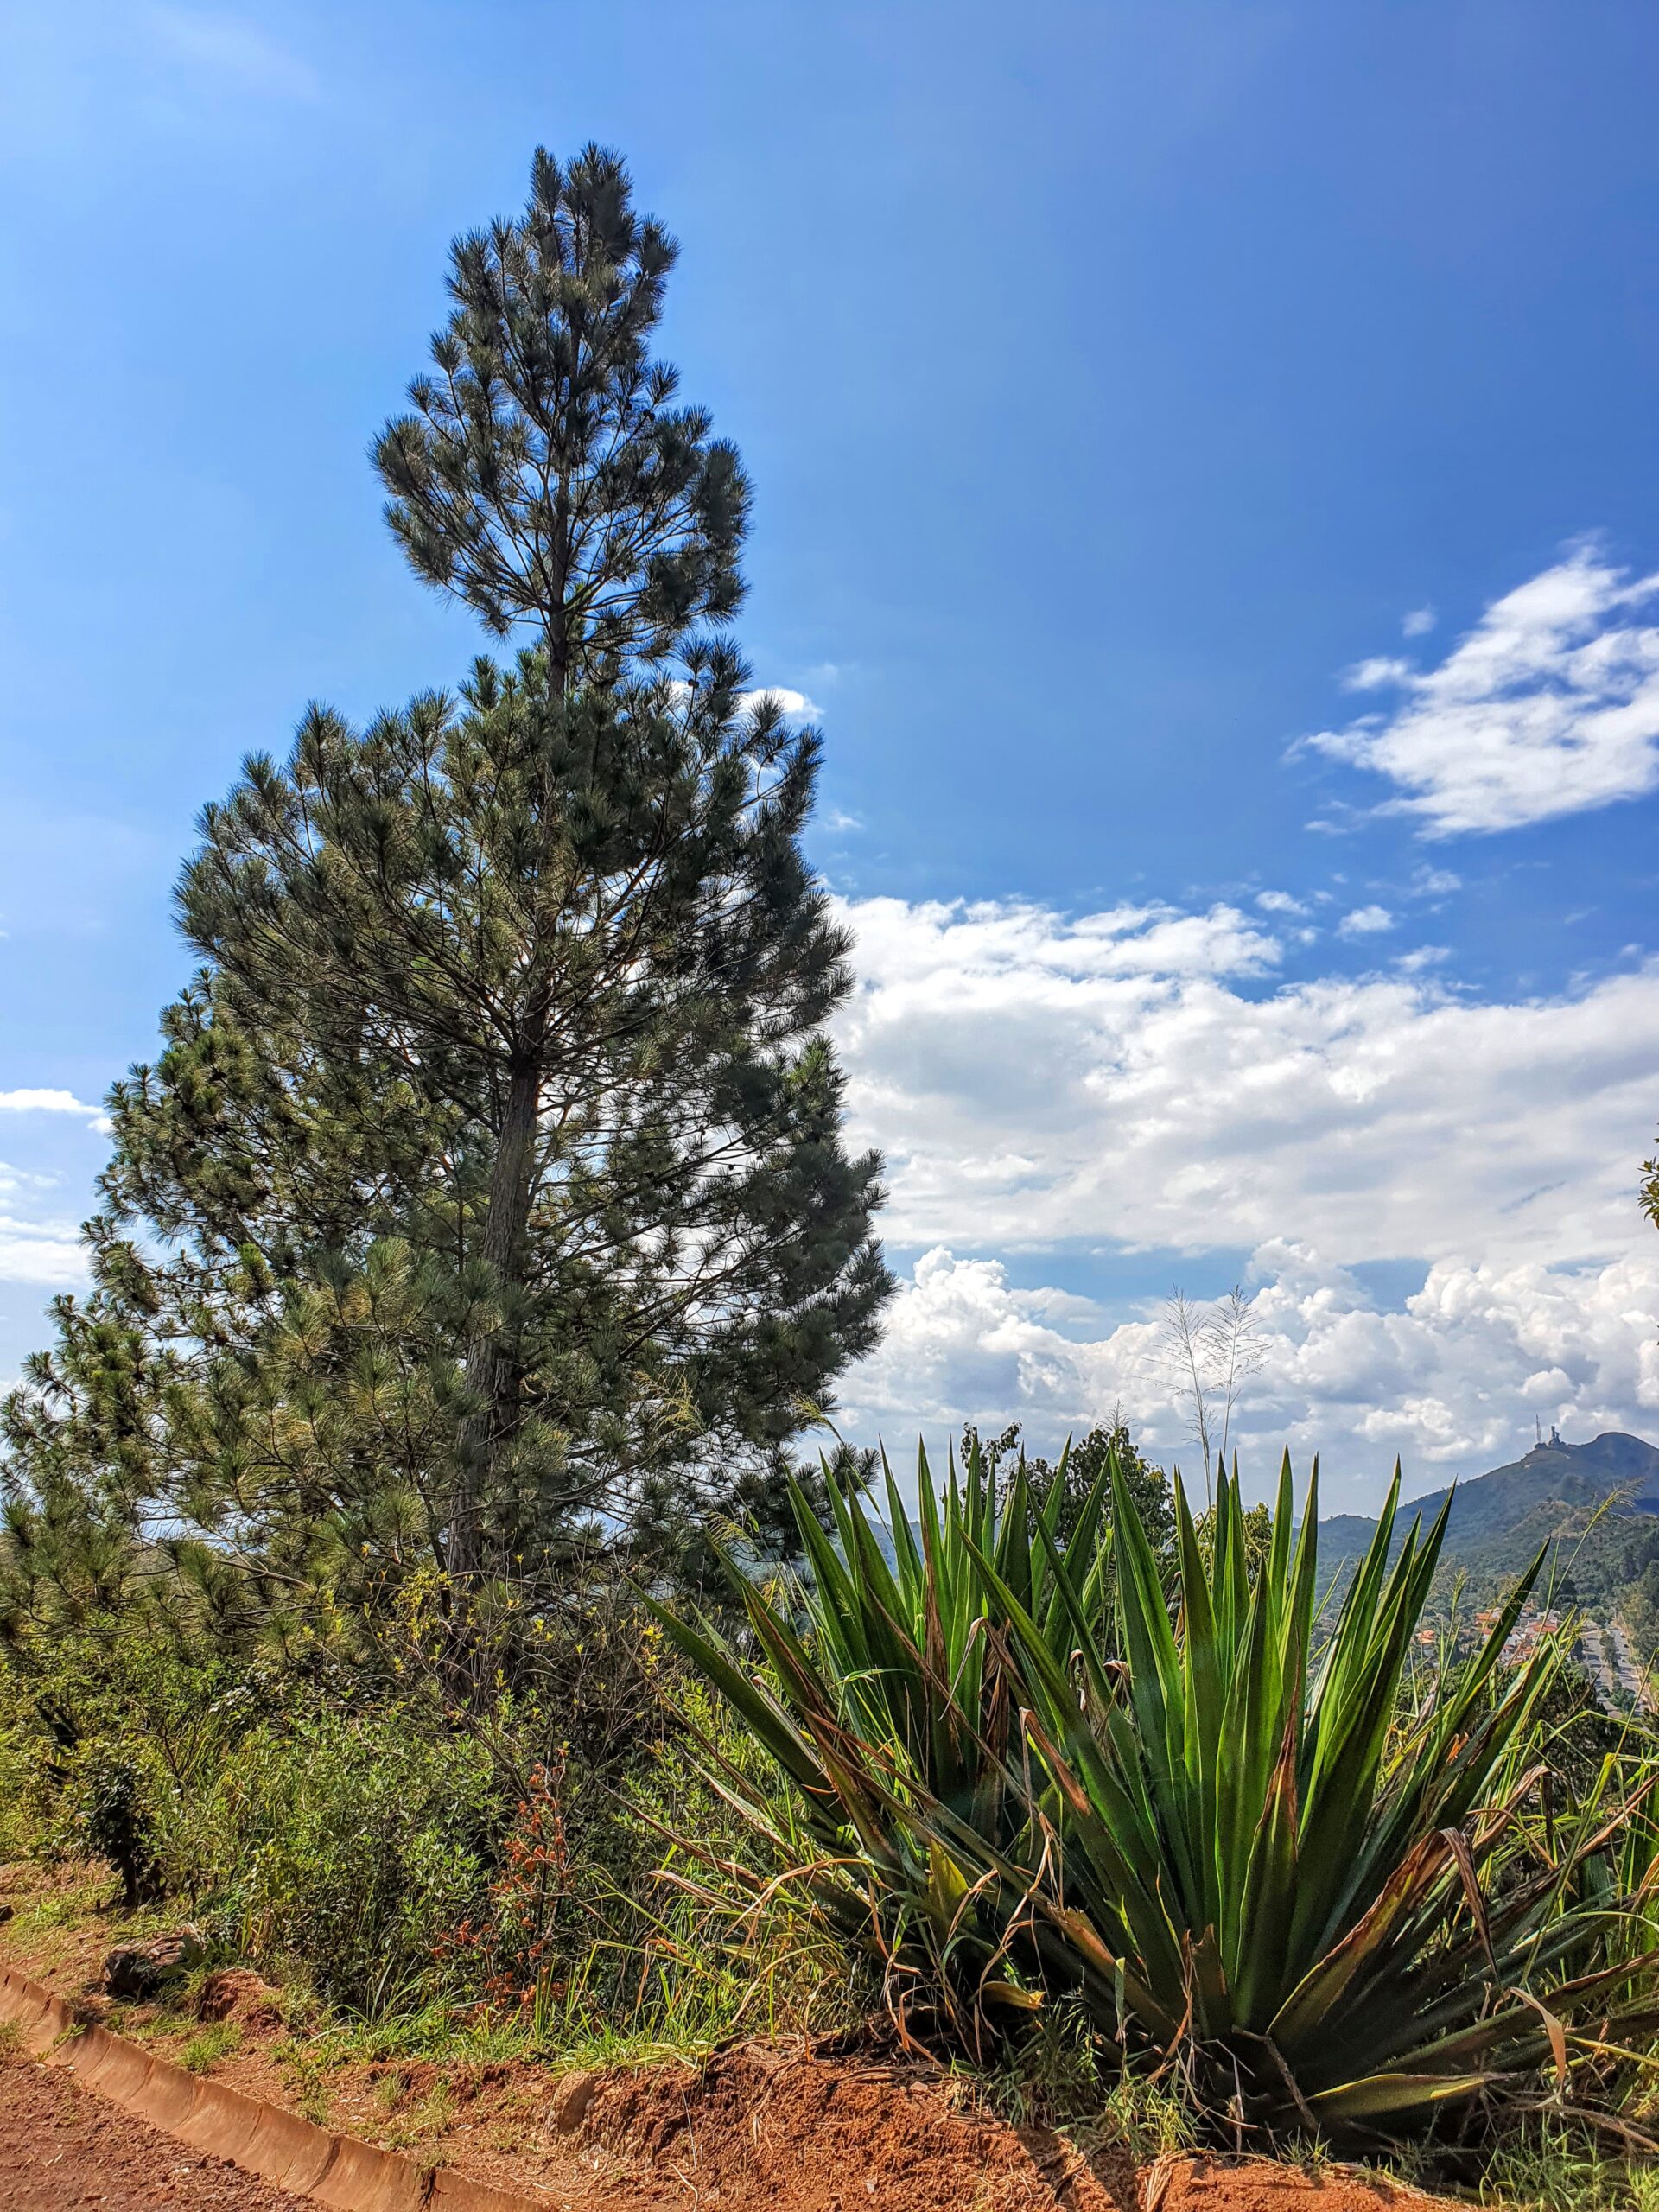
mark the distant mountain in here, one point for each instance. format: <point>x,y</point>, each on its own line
<point>1553,1483</point>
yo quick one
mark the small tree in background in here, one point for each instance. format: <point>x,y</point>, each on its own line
<point>1085,1460</point>
<point>1090,1457</point>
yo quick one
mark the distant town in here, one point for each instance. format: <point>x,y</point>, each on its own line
<point>1606,1653</point>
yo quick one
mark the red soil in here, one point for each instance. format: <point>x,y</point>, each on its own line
<point>62,2147</point>
<point>762,2130</point>
<point>765,2128</point>
<point>1258,2185</point>
<point>762,2127</point>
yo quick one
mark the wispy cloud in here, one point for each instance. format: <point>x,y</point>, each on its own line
<point>1548,707</point>
<point>233,49</point>
<point>1378,675</point>
<point>1418,622</point>
<point>1434,883</point>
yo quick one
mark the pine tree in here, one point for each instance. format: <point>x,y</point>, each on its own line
<point>491,1177</point>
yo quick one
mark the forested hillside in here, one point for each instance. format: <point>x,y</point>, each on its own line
<point>1595,1505</point>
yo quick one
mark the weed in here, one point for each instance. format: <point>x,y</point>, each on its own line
<point>209,2045</point>
<point>411,2123</point>
<point>1064,2077</point>
<point>308,2070</point>
<point>1561,2169</point>
<point>436,2030</point>
<point>437,2109</point>
<point>1150,2118</point>
<point>314,2100</point>
<point>70,1904</point>
<point>299,2006</point>
<point>389,2090</point>
<point>1310,2154</point>
<point>11,2043</point>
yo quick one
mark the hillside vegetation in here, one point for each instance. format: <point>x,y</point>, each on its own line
<point>1594,1506</point>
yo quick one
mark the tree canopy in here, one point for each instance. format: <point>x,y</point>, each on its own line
<point>489,1186</point>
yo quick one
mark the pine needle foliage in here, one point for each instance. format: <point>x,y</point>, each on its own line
<point>544,475</point>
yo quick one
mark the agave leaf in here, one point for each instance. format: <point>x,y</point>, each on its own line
<point>1270,1886</point>
<point>1389,2095</point>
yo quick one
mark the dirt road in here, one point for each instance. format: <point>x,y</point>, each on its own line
<point>61,2148</point>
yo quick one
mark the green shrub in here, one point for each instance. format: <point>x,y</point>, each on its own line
<point>105,1724</point>
<point>109,1795</point>
<point>354,1844</point>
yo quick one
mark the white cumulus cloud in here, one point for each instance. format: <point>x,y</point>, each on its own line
<point>1138,1079</point>
<point>44,1252</point>
<point>46,1101</point>
<point>1365,921</point>
<point>1450,1384</point>
<point>1549,706</point>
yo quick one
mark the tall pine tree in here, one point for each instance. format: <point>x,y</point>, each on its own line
<point>491,1181</point>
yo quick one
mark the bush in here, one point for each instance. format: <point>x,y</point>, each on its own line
<point>476,1817</point>
<point>356,1844</point>
<point>104,1725</point>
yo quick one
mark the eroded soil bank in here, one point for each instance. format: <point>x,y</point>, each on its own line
<point>764,2126</point>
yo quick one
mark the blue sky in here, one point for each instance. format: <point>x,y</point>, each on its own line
<point>1207,472</point>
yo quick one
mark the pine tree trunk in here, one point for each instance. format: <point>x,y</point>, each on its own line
<point>492,1375</point>
<point>492,1370</point>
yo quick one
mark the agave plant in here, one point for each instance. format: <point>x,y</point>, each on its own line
<point>1322,1888</point>
<point>897,1717</point>
<point>1223,1823</point>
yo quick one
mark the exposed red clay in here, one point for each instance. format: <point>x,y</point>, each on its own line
<point>761,2127</point>
<point>1259,2185</point>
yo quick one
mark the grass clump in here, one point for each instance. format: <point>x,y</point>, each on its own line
<point>210,2044</point>
<point>1557,2166</point>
